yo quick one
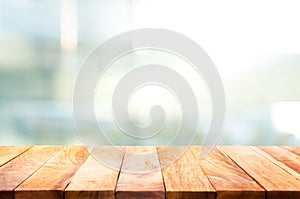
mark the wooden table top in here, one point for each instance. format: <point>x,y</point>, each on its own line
<point>58,172</point>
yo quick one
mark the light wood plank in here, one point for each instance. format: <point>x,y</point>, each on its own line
<point>143,184</point>
<point>53,177</point>
<point>233,173</point>
<point>8,153</point>
<point>17,170</point>
<point>95,179</point>
<point>277,182</point>
<point>293,149</point>
<point>184,178</point>
<point>229,180</point>
<point>281,157</point>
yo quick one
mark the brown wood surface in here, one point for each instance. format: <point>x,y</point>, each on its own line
<point>229,180</point>
<point>70,172</point>
<point>281,157</point>
<point>17,170</point>
<point>184,177</point>
<point>278,182</point>
<point>294,149</point>
<point>50,181</point>
<point>96,179</point>
<point>7,153</point>
<point>141,184</point>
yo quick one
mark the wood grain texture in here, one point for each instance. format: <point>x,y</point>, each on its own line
<point>94,179</point>
<point>140,184</point>
<point>8,153</point>
<point>17,170</point>
<point>278,182</point>
<point>184,178</point>
<point>53,177</point>
<point>227,172</point>
<point>281,157</point>
<point>293,149</point>
<point>229,180</point>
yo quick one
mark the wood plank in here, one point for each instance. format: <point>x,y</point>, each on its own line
<point>8,153</point>
<point>17,170</point>
<point>184,177</point>
<point>278,182</point>
<point>53,177</point>
<point>147,181</point>
<point>229,180</point>
<point>281,157</point>
<point>293,149</point>
<point>95,179</point>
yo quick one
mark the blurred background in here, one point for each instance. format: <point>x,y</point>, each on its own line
<point>254,44</point>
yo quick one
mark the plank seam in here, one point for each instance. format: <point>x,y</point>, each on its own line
<point>209,181</point>
<point>35,171</point>
<point>29,147</point>
<point>280,164</point>
<point>215,190</point>
<point>265,190</point>
<point>132,183</point>
<point>160,166</point>
<point>287,149</point>
<point>115,189</point>
<point>273,163</point>
<point>64,190</point>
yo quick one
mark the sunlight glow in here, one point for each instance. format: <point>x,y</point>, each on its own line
<point>68,25</point>
<point>286,117</point>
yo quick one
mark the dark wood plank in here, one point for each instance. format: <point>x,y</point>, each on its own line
<point>278,182</point>
<point>17,170</point>
<point>229,180</point>
<point>142,184</point>
<point>50,181</point>
<point>95,179</point>
<point>184,177</point>
<point>8,153</point>
<point>281,157</point>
